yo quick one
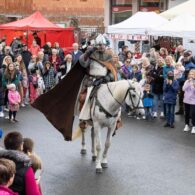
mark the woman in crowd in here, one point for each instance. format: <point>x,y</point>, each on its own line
<point>170,65</point>
<point>126,69</point>
<point>157,87</point>
<point>130,56</point>
<point>163,52</point>
<point>146,67</point>
<point>35,48</point>
<point>6,61</point>
<point>55,59</point>
<point>23,84</point>
<point>10,76</point>
<point>117,64</point>
<point>49,76</point>
<point>24,181</point>
<point>189,101</point>
<point>1,95</point>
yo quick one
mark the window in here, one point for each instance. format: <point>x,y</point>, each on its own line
<point>121,2</point>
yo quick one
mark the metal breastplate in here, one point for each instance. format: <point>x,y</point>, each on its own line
<point>97,69</point>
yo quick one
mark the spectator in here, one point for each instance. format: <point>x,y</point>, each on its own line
<point>37,39</point>
<point>75,53</point>
<point>35,48</point>
<point>49,76</point>
<point>6,61</point>
<point>157,87</point>
<point>7,52</point>
<point>23,83</point>
<point>14,101</point>
<point>179,71</point>
<point>146,67</point>
<point>55,59</point>
<point>47,50</point>
<point>33,85</point>
<point>7,174</point>
<point>129,55</point>
<point>117,64</point>
<point>189,101</point>
<point>126,69</point>
<point>28,146</point>
<point>59,50</point>
<point>1,55</point>
<point>179,54</point>
<point>122,55</point>
<point>1,95</point>
<point>10,76</point>
<point>169,66</point>
<point>26,56</point>
<point>136,73</point>
<point>170,89</point>
<point>163,52</point>
<point>148,101</point>
<point>24,181</point>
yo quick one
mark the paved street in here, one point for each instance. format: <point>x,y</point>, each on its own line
<point>144,159</point>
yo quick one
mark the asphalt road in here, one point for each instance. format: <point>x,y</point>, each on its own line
<point>145,159</point>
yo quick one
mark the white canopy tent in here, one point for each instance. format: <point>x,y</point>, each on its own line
<point>183,8</point>
<point>138,24</point>
<point>182,26</point>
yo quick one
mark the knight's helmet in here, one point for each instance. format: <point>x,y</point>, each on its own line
<point>102,40</point>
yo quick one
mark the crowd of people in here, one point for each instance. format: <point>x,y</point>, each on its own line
<point>26,73</point>
<point>163,77</point>
<point>20,167</point>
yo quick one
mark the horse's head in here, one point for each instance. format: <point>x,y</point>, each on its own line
<point>134,97</point>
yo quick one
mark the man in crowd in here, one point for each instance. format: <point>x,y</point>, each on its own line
<point>75,53</point>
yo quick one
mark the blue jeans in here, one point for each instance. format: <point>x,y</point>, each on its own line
<point>1,108</point>
<point>158,99</point>
<point>148,113</point>
<point>170,113</point>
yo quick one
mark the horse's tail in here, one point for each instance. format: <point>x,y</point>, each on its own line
<point>77,133</point>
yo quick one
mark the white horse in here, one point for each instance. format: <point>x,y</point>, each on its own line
<point>105,111</point>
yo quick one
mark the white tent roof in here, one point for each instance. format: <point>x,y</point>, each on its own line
<point>139,24</point>
<point>183,8</point>
<point>181,26</point>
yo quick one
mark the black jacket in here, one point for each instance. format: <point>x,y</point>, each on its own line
<point>23,163</point>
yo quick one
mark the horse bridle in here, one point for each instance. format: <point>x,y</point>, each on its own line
<point>131,98</point>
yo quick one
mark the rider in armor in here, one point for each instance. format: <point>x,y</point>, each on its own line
<point>99,68</point>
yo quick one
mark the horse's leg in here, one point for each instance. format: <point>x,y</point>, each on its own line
<point>83,149</point>
<point>107,145</point>
<point>97,132</point>
<point>93,149</point>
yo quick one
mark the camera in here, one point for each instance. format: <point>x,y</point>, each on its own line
<point>170,77</point>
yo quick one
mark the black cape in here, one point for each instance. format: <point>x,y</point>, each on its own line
<point>58,104</point>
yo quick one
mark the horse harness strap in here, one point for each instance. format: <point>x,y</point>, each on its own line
<point>102,109</point>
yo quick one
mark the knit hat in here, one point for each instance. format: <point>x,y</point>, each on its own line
<point>12,86</point>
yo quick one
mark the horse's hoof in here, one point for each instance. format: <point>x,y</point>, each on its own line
<point>94,158</point>
<point>104,165</point>
<point>98,170</point>
<point>83,151</point>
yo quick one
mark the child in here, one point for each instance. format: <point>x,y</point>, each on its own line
<point>170,90</point>
<point>179,71</point>
<point>148,101</point>
<point>41,85</point>
<point>28,146</point>
<point>33,85</point>
<point>7,172</point>
<point>14,100</point>
<point>136,73</point>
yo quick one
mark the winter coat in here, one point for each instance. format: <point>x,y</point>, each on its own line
<point>188,66</point>
<point>189,93</point>
<point>26,56</point>
<point>147,100</point>
<point>49,78</point>
<point>136,75</point>
<point>158,80</point>
<point>170,92</point>
<point>6,191</point>
<point>14,100</point>
<point>166,69</point>
<point>6,81</point>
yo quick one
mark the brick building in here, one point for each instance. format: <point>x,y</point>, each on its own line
<point>82,13</point>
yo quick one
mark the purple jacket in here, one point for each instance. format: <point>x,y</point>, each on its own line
<point>189,93</point>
